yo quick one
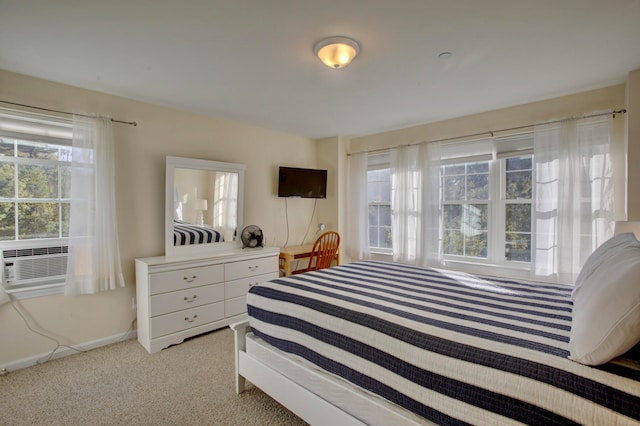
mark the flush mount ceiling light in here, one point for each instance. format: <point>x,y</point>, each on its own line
<point>336,52</point>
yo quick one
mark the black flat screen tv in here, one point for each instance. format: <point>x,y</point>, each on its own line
<point>303,183</point>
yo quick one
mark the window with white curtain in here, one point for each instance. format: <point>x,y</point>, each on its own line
<point>379,203</point>
<point>486,201</point>
<point>485,194</point>
<point>35,161</point>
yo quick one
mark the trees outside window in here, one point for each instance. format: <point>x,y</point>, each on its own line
<point>34,190</point>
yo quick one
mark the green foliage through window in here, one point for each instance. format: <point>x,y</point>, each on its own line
<point>34,193</point>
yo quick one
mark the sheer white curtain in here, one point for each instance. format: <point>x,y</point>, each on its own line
<point>415,204</point>
<point>573,212</point>
<point>406,203</point>
<point>94,257</point>
<point>430,159</point>
<point>357,241</point>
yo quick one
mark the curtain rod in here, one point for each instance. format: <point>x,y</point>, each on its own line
<point>131,123</point>
<point>491,132</point>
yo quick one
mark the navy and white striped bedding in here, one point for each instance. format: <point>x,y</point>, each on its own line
<point>185,234</point>
<point>451,347</point>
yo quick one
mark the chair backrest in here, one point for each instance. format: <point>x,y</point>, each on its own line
<point>324,251</point>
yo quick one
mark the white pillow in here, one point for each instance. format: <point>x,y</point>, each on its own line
<point>606,310</point>
<point>607,250</point>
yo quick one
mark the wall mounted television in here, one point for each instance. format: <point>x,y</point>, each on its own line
<point>302,183</point>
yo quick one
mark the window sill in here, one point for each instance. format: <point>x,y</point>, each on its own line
<point>521,271</point>
<point>39,291</point>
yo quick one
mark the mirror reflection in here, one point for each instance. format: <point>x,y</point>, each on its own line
<point>205,202</point>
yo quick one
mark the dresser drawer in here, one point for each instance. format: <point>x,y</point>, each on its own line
<point>237,288</point>
<point>248,268</point>
<point>235,306</point>
<point>189,318</point>
<point>184,299</point>
<point>162,282</point>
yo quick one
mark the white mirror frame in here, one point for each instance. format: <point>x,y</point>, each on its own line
<point>197,164</point>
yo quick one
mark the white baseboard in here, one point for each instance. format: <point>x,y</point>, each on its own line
<point>64,351</point>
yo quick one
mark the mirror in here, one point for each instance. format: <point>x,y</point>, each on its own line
<point>204,205</point>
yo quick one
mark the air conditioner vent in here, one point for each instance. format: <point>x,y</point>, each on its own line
<point>23,267</point>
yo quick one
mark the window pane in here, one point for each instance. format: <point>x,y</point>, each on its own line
<point>6,147</point>
<point>454,169</point>
<point>476,218</point>
<point>518,247</point>
<point>384,215</point>
<point>482,167</point>
<point>65,153</point>
<point>373,236</point>
<point>476,245</point>
<point>454,188</point>
<point>373,216</point>
<point>37,181</point>
<point>518,185</point>
<point>37,150</point>
<point>453,243</point>
<point>478,187</point>
<point>7,180</point>
<point>385,238</point>
<point>378,186</point>
<point>66,209</point>
<point>519,163</point>
<point>7,221</point>
<point>38,220</point>
<point>65,182</point>
<point>452,216</point>
<point>518,218</point>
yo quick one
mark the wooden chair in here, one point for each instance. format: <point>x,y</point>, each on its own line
<point>324,251</point>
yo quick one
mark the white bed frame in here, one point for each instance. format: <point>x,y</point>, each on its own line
<point>322,399</point>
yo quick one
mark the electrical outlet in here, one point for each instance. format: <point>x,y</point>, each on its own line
<point>322,227</point>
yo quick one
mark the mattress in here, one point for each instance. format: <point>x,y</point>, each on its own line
<point>450,347</point>
<point>185,234</point>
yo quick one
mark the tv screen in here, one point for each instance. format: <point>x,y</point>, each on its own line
<point>304,183</point>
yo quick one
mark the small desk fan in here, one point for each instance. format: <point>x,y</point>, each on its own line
<point>252,237</point>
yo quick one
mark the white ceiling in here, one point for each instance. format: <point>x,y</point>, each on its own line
<point>252,60</point>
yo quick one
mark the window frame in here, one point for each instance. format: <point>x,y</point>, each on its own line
<point>26,127</point>
<point>503,148</point>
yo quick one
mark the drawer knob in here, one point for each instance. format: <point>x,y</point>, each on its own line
<point>191,319</point>
<point>186,299</point>
<point>189,279</point>
<point>253,268</point>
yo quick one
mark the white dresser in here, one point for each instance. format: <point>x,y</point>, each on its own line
<point>182,297</point>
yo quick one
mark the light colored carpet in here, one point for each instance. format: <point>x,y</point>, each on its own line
<point>187,384</point>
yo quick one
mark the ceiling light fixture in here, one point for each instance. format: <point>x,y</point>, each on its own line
<point>336,52</point>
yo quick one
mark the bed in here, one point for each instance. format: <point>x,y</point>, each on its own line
<point>376,342</point>
<point>186,234</point>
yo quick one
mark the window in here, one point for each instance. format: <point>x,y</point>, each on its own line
<point>487,215</point>
<point>518,191</point>
<point>35,164</point>
<point>465,209</point>
<point>486,192</point>
<point>34,190</point>
<point>379,203</point>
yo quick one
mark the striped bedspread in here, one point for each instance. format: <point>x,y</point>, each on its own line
<point>451,347</point>
<point>185,233</point>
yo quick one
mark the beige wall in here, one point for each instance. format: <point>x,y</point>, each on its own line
<point>140,164</point>
<point>633,144</point>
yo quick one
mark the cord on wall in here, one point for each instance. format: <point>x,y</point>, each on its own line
<point>4,294</point>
